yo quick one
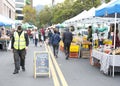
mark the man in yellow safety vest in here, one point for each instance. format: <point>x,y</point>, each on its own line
<point>19,44</point>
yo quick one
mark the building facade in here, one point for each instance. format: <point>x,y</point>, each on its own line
<point>19,5</point>
<point>7,8</point>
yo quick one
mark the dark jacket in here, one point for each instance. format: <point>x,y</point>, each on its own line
<point>13,40</point>
<point>67,37</point>
<point>55,39</point>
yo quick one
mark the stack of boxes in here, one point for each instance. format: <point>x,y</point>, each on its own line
<point>74,51</point>
<point>85,52</point>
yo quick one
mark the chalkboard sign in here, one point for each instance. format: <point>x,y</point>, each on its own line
<point>41,63</point>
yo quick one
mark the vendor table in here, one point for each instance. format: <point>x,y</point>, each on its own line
<point>4,42</point>
<point>106,61</point>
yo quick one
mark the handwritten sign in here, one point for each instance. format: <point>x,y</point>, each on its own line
<point>41,63</point>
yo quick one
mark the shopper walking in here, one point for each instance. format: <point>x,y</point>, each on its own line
<point>55,43</point>
<point>19,44</point>
<point>36,35</point>
<point>40,40</point>
<point>67,39</point>
<point>50,36</point>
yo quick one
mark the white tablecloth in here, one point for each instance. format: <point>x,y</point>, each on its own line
<point>106,60</point>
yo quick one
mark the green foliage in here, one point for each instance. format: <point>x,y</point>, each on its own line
<point>28,2</point>
<point>45,16</point>
<point>29,14</point>
<point>66,10</point>
<point>107,1</point>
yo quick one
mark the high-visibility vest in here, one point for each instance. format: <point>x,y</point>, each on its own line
<point>20,42</point>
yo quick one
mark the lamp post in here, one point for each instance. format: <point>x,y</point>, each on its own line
<point>93,2</point>
<point>53,2</point>
<point>52,12</point>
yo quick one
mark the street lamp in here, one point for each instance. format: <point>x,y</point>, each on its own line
<point>93,2</point>
<point>53,2</point>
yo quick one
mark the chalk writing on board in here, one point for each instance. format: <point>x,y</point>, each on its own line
<point>42,63</point>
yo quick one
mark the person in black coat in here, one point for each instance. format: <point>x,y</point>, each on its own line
<point>67,39</point>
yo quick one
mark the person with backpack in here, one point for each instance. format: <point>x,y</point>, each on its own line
<point>55,43</point>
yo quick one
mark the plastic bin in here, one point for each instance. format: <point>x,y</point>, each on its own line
<point>74,48</point>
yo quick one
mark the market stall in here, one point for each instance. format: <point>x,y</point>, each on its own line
<point>112,10</point>
<point>106,61</point>
<point>4,43</point>
<point>4,39</point>
<point>79,47</point>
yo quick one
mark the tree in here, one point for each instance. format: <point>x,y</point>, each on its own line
<point>66,10</point>
<point>29,14</point>
<point>28,2</point>
<point>45,16</point>
<point>107,1</point>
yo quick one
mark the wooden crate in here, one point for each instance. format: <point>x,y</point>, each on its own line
<point>73,54</point>
<point>85,53</point>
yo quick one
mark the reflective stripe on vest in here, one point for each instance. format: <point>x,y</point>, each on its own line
<point>20,42</point>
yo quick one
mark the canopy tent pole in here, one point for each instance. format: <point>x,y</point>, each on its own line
<point>114,41</point>
<point>115,29</point>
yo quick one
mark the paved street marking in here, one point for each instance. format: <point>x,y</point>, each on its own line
<point>60,74</point>
<point>52,69</point>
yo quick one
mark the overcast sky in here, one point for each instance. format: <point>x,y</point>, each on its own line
<point>45,2</point>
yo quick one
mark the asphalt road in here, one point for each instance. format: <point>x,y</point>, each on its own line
<point>23,78</point>
<point>77,72</point>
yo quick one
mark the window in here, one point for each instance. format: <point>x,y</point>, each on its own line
<point>9,13</point>
<point>19,11</point>
<point>19,18</point>
<point>19,1</point>
<point>19,5</point>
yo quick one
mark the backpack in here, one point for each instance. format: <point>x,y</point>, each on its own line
<point>56,39</point>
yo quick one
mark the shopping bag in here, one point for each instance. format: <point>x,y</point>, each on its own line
<point>47,41</point>
<point>9,46</point>
<point>42,38</point>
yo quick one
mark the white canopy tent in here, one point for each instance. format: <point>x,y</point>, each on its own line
<point>89,16</point>
<point>79,16</point>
